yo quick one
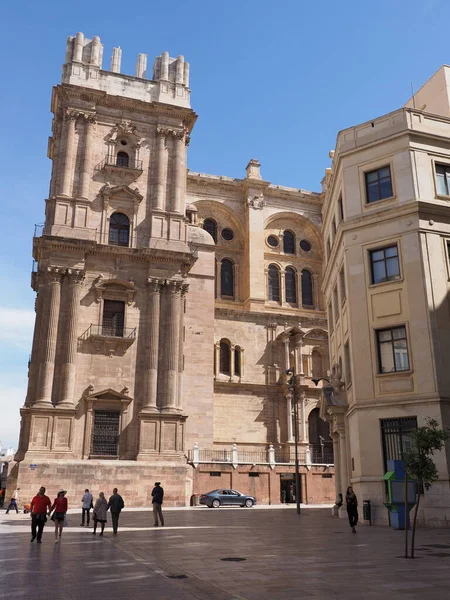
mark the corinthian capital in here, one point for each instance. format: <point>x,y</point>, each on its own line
<point>75,276</point>
<point>174,286</point>
<point>154,285</point>
<point>53,274</point>
<point>162,131</point>
<point>72,115</point>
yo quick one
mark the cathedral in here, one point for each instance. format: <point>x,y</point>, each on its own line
<point>169,306</point>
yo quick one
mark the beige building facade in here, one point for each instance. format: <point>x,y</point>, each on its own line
<point>169,305</point>
<point>386,280</point>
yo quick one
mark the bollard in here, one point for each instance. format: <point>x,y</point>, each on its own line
<point>367,511</point>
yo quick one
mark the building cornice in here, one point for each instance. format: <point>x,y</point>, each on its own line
<point>67,93</point>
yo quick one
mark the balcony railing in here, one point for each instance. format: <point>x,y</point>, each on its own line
<point>119,162</point>
<point>110,331</point>
<point>308,455</point>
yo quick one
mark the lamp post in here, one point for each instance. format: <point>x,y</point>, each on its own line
<point>291,385</point>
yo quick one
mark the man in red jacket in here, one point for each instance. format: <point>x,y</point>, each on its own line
<point>40,506</point>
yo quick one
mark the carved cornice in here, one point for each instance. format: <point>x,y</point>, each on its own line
<point>116,288</point>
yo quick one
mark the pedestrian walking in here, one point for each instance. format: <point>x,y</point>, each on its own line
<point>352,507</point>
<point>2,497</point>
<point>40,506</point>
<point>115,505</point>
<point>157,500</point>
<point>60,507</point>
<point>99,514</point>
<point>86,505</point>
<point>12,504</point>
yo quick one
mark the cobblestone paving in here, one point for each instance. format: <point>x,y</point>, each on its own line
<point>280,555</point>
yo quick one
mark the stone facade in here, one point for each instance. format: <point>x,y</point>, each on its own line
<point>169,305</point>
<point>386,283</point>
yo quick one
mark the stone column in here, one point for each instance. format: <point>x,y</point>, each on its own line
<point>160,160</point>
<point>33,370</point>
<point>316,291</point>
<point>184,291</point>
<point>86,165</point>
<point>233,354</point>
<point>290,434</point>
<point>298,354</point>
<point>217,359</point>
<point>170,356</point>
<point>241,352</point>
<point>285,338</point>
<point>49,336</point>
<point>178,172</point>
<point>303,402</point>
<point>345,482</point>
<point>71,117</point>
<point>282,287</point>
<point>70,345</point>
<point>152,344</point>
<point>337,470</point>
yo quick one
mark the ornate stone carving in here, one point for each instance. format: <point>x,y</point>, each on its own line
<point>75,276</point>
<point>154,285</point>
<point>257,202</point>
<point>124,128</point>
<point>72,115</point>
<point>117,289</point>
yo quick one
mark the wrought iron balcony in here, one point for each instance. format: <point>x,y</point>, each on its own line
<point>110,340</point>
<point>119,163</point>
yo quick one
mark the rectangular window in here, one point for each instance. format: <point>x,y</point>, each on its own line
<point>347,364</point>
<point>340,209</point>
<point>392,350</point>
<point>342,288</point>
<point>105,438</point>
<point>443,180</point>
<point>253,474</point>
<point>385,264</point>
<point>378,184</point>
<point>215,473</point>
<point>396,437</point>
<point>113,318</point>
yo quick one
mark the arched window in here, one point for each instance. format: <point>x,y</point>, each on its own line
<point>319,438</point>
<point>119,230</point>
<point>226,278</point>
<point>122,160</point>
<point>210,226</point>
<point>307,288</point>
<point>274,283</point>
<point>288,242</point>
<point>316,360</point>
<point>225,354</point>
<point>237,361</point>
<point>291,285</point>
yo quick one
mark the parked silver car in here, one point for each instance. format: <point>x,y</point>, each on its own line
<point>223,497</point>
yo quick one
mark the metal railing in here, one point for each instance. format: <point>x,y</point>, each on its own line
<point>253,458</point>
<point>127,333</point>
<point>322,453</point>
<point>222,456</point>
<point>119,162</point>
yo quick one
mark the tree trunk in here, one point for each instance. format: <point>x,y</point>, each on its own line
<point>413,536</point>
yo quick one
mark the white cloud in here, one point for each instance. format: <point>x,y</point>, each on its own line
<point>12,398</point>
<point>16,326</point>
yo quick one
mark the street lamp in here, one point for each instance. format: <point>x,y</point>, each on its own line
<point>291,384</point>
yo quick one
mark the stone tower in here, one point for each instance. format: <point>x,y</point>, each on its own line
<point>122,278</point>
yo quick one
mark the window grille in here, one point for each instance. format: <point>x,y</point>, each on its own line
<point>226,278</point>
<point>396,437</point>
<point>122,160</point>
<point>291,287</point>
<point>274,283</point>
<point>307,288</point>
<point>113,318</point>
<point>105,438</point>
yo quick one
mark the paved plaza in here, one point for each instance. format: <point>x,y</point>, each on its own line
<point>225,554</point>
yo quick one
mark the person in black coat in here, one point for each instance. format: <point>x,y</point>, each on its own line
<point>352,507</point>
<point>157,500</point>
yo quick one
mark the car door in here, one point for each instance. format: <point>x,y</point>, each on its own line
<point>226,497</point>
<point>235,497</point>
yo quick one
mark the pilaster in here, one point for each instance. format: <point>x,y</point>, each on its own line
<point>71,117</point>
<point>152,344</point>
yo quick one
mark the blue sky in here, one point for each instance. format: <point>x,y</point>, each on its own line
<point>270,80</point>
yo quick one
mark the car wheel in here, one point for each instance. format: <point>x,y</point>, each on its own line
<point>249,503</point>
<point>215,504</point>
